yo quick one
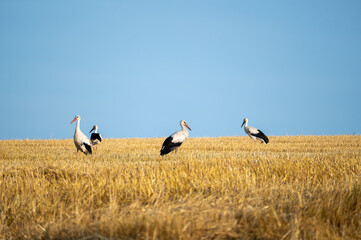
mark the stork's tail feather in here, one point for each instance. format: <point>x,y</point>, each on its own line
<point>88,148</point>
<point>163,153</point>
<point>165,150</point>
<point>263,137</point>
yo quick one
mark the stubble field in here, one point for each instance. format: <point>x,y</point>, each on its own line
<point>296,187</point>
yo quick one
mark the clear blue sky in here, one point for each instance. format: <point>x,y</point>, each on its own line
<point>136,68</point>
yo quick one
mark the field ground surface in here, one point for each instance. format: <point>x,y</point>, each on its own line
<point>295,187</point>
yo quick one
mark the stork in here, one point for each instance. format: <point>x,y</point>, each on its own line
<point>254,133</point>
<point>81,141</point>
<point>95,138</point>
<point>175,140</point>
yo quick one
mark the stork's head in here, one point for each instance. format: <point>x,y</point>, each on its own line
<point>183,123</point>
<point>77,118</point>
<point>245,121</point>
<point>95,127</point>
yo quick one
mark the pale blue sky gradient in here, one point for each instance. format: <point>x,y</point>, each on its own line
<point>136,68</point>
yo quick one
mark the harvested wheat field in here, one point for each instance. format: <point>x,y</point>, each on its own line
<point>297,187</point>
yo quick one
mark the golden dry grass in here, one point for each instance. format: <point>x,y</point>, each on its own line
<point>304,187</point>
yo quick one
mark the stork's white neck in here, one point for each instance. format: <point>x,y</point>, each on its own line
<point>184,131</point>
<point>77,128</point>
<point>184,128</point>
<point>246,123</point>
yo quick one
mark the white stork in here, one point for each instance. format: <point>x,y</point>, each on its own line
<point>81,141</point>
<point>95,138</point>
<point>175,140</point>
<point>254,133</point>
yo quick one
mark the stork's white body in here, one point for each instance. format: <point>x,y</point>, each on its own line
<point>175,140</point>
<point>81,142</point>
<point>180,136</point>
<point>254,133</point>
<point>251,130</point>
<point>95,137</point>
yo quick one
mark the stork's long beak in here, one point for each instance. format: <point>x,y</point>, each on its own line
<point>242,124</point>
<point>92,129</point>
<point>73,120</point>
<point>188,127</point>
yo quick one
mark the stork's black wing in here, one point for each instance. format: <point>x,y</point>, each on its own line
<point>261,135</point>
<point>169,146</point>
<point>95,136</point>
<point>88,148</point>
